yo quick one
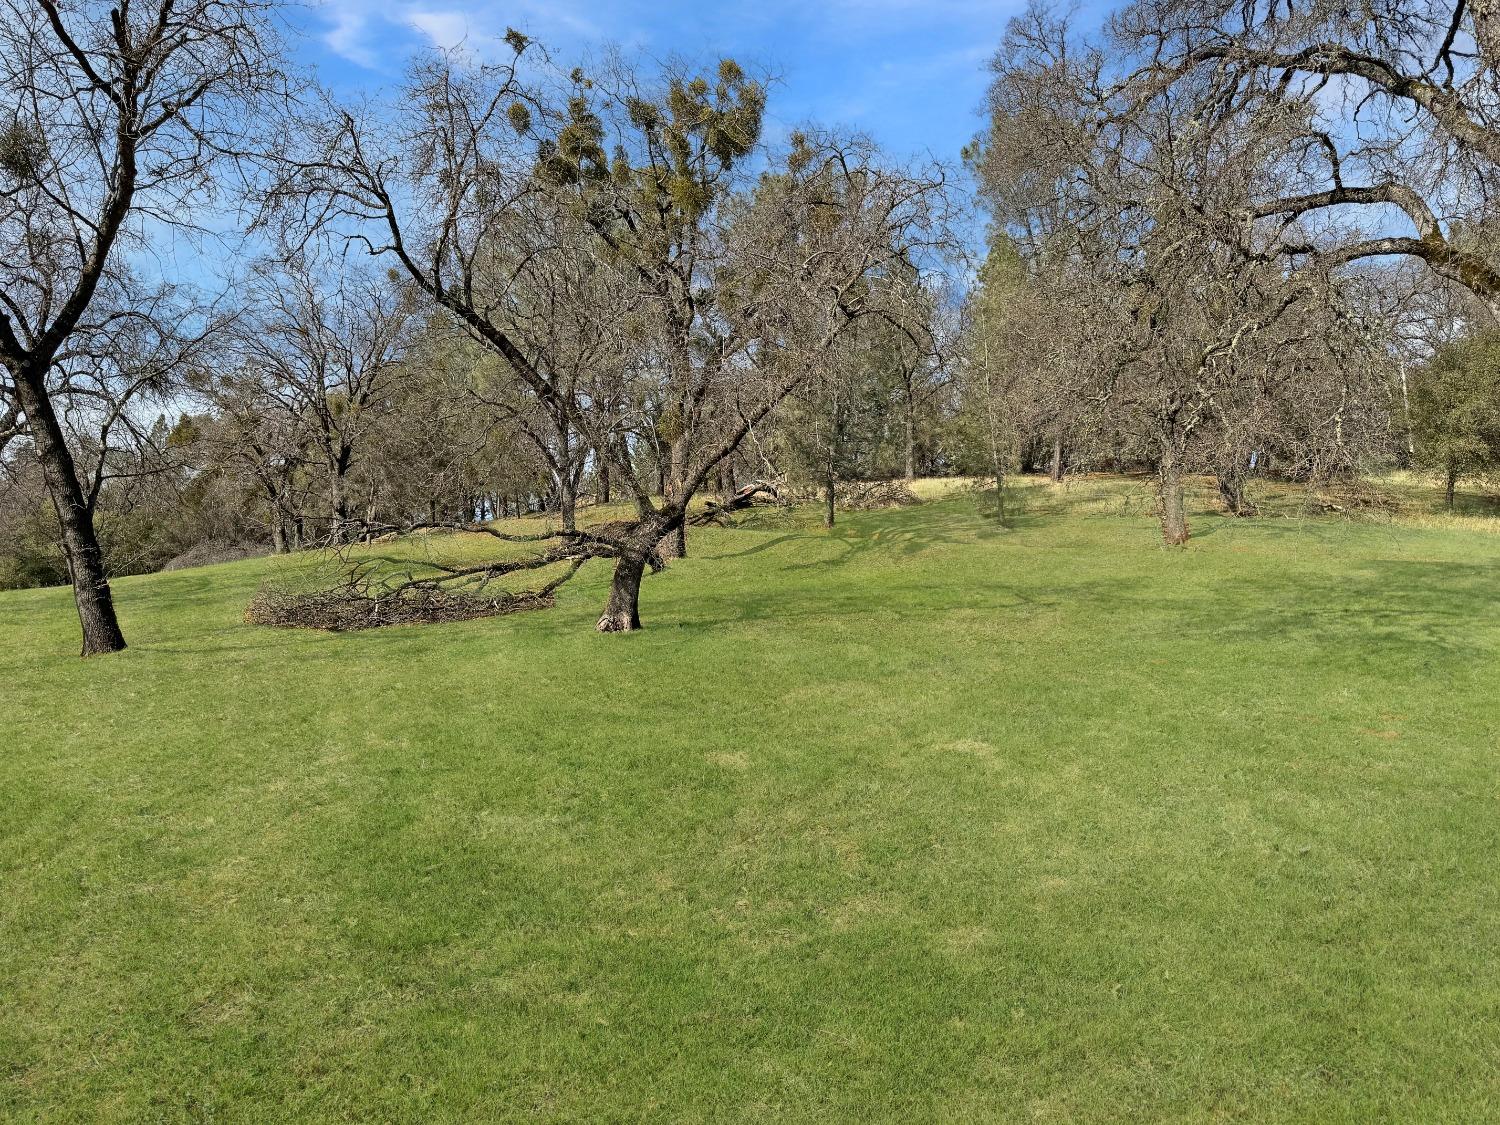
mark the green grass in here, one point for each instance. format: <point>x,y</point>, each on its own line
<point>914,820</point>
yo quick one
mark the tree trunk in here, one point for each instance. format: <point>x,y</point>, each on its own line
<point>622,612</point>
<point>1170,507</point>
<point>278,520</point>
<point>1056,471</point>
<point>1232,490</point>
<point>91,593</point>
<point>1452,480</point>
<point>828,492</point>
<point>911,437</point>
<point>340,505</point>
<point>674,544</point>
<point>997,469</point>
<point>1486,15</point>
<point>603,493</point>
<point>567,500</point>
<point>674,495</point>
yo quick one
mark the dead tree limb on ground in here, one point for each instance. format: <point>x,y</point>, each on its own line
<point>369,591</point>
<point>744,498</point>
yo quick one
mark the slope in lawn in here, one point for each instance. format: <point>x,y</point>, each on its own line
<point>913,819</point>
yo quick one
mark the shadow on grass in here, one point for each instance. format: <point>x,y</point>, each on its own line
<point>1406,610</point>
<point>1413,610</point>
<point>1338,595</point>
<point>895,603</point>
<point>1469,504</point>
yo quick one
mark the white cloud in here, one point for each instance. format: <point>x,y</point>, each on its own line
<point>479,29</point>
<point>446,28</point>
<point>349,23</point>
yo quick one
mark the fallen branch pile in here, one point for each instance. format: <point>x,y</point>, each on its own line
<point>744,498</point>
<point>858,496</point>
<point>367,592</point>
<point>1354,498</point>
<point>341,610</point>
<point>850,496</point>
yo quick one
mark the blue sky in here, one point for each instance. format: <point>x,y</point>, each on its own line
<point>909,72</point>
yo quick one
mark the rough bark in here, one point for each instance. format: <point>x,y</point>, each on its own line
<point>1231,481</point>
<point>622,608</point>
<point>339,505</point>
<point>622,612</point>
<point>567,500</point>
<point>911,437</point>
<point>674,544</point>
<point>91,593</point>
<point>1486,15</point>
<point>829,484</point>
<point>1170,505</point>
<point>1232,491</point>
<point>279,520</point>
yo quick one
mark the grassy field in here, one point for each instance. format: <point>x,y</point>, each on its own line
<point>916,819</point>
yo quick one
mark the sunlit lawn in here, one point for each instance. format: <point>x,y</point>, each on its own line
<point>913,820</point>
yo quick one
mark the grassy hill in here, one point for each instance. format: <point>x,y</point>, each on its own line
<point>914,819</point>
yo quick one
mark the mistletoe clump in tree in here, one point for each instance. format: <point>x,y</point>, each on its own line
<point>628,203</point>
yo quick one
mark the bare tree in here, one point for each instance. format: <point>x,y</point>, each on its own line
<point>576,324</point>
<point>470,148</point>
<point>1137,202</point>
<point>326,346</point>
<point>1005,345</point>
<point>1396,105</point>
<point>244,438</point>
<point>117,113</point>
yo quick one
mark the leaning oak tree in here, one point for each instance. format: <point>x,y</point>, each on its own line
<point>656,184</point>
<point>469,149</point>
<point>117,116</point>
<point>823,243</point>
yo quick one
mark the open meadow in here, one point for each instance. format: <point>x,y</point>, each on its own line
<point>914,819</point>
